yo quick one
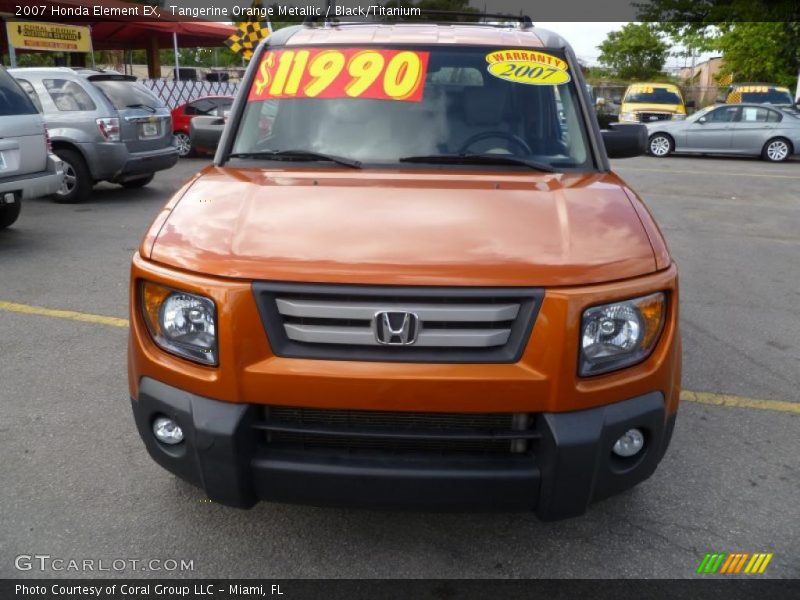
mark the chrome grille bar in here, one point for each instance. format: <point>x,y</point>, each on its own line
<point>338,309</point>
<point>428,338</point>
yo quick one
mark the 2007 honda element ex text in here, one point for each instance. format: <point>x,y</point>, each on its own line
<point>409,280</point>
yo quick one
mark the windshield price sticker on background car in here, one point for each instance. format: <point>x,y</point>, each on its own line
<point>528,66</point>
<point>376,74</point>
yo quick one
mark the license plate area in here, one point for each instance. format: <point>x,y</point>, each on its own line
<point>148,131</point>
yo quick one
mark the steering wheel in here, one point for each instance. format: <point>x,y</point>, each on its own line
<point>479,137</point>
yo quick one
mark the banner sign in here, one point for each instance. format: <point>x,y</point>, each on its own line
<point>26,35</point>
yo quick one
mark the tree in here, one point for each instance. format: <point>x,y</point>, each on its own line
<point>759,39</point>
<point>765,52</point>
<point>637,51</point>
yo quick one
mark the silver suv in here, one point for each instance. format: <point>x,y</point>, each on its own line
<point>104,126</point>
<point>27,169</point>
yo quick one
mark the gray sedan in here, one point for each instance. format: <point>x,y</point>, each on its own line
<point>745,129</point>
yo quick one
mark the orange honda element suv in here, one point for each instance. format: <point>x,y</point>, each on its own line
<point>409,279</point>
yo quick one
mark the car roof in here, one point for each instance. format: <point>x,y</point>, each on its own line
<point>661,84</point>
<point>77,72</point>
<point>750,104</point>
<point>767,85</point>
<point>428,34</point>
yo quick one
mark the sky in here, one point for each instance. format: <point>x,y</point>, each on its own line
<point>585,37</point>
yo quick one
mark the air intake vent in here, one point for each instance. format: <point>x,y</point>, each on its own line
<point>405,324</point>
<point>398,432</point>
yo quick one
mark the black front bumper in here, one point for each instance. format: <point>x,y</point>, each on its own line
<point>571,466</point>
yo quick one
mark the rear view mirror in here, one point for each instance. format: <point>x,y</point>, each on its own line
<point>625,140</point>
<point>206,131</point>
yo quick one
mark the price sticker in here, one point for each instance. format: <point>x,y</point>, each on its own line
<point>375,74</point>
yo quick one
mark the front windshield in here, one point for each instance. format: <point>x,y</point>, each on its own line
<point>652,95</point>
<point>768,96</point>
<point>701,112</point>
<point>381,105</point>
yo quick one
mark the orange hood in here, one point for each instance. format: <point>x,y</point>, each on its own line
<point>426,227</point>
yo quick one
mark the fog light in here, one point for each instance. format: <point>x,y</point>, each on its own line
<point>167,431</point>
<point>630,444</point>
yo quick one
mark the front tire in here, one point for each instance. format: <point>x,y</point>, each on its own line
<point>183,143</point>
<point>78,181</point>
<point>9,213</point>
<point>660,145</point>
<point>776,150</point>
<point>138,183</point>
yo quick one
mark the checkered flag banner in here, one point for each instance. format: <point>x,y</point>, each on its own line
<point>249,35</point>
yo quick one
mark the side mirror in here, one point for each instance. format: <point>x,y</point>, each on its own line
<point>625,140</point>
<point>689,104</point>
<point>701,120</point>
<point>206,131</point>
<point>600,102</point>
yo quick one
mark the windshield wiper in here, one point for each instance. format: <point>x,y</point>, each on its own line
<point>479,159</point>
<point>145,106</point>
<point>299,155</point>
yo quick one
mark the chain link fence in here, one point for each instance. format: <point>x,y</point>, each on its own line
<point>175,93</point>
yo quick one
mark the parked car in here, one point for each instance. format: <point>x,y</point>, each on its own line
<point>208,106</point>
<point>27,167</point>
<point>103,125</point>
<point>648,102</point>
<point>205,132</point>
<point>758,93</point>
<point>746,129</point>
<point>418,287</point>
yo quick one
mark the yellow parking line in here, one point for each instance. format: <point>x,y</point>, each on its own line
<point>740,401</point>
<point>686,395</point>
<point>63,314</point>
<point>716,173</point>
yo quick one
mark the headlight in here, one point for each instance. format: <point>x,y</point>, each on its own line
<point>182,323</point>
<point>628,116</point>
<point>621,334</point>
<point>678,116</point>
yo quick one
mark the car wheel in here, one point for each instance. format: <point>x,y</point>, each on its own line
<point>660,145</point>
<point>78,181</point>
<point>776,150</point>
<point>183,143</point>
<point>9,213</point>
<point>137,183</point>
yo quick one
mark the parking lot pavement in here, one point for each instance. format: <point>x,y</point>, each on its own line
<point>77,482</point>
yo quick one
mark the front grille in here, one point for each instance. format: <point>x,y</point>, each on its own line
<point>650,117</point>
<point>409,324</point>
<point>397,432</point>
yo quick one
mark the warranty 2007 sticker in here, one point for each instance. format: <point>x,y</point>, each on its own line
<point>528,66</point>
